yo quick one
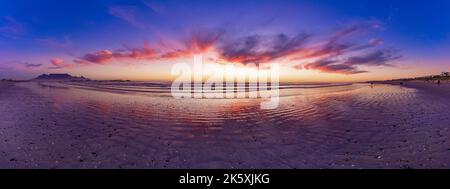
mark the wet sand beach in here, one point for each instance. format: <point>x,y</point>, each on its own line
<point>59,125</point>
<point>432,86</point>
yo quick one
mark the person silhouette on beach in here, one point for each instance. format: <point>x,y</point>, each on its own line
<point>439,82</point>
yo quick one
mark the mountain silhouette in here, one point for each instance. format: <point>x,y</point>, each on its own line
<point>62,76</point>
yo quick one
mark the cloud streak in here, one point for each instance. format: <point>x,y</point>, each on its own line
<point>333,66</point>
<point>10,27</point>
<point>30,65</point>
<point>53,43</point>
<point>128,54</point>
<point>381,57</point>
<point>126,13</point>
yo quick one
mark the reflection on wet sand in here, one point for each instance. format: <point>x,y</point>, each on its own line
<point>59,125</point>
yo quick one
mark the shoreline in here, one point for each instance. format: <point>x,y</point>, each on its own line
<point>4,84</point>
<point>424,85</point>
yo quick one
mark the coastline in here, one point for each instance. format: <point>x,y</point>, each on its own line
<point>4,84</point>
<point>430,86</point>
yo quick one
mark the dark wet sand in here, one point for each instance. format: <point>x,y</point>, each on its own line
<point>430,86</point>
<point>354,126</point>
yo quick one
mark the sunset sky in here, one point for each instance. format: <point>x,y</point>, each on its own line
<point>317,40</point>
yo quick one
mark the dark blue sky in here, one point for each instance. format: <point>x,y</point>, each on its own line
<point>35,33</point>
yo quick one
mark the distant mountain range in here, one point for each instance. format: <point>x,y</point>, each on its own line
<point>60,77</point>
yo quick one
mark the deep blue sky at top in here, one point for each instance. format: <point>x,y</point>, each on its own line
<point>415,27</point>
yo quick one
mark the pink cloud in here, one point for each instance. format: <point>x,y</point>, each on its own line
<point>59,63</point>
<point>130,54</point>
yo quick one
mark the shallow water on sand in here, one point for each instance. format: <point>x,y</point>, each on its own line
<point>349,126</point>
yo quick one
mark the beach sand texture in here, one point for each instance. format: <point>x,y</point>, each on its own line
<point>352,126</point>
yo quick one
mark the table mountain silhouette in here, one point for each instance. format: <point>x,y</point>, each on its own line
<point>62,76</point>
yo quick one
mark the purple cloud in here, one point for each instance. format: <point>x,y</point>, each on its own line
<point>261,49</point>
<point>30,65</point>
<point>333,66</point>
<point>380,57</point>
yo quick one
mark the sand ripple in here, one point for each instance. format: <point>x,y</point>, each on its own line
<point>350,126</point>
